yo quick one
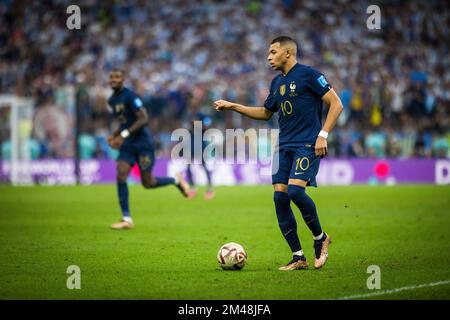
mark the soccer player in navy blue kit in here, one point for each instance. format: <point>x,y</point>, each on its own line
<point>134,141</point>
<point>296,95</point>
<point>206,122</point>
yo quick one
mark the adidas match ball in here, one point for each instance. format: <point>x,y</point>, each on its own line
<point>232,256</point>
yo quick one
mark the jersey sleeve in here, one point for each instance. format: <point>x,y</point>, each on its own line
<point>318,83</point>
<point>135,102</point>
<point>271,103</point>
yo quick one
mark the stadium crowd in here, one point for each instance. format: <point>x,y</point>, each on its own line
<point>180,56</point>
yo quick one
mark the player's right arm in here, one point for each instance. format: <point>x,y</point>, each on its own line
<point>257,113</point>
<point>116,132</point>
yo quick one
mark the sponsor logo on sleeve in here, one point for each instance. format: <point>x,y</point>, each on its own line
<point>138,102</point>
<point>323,82</point>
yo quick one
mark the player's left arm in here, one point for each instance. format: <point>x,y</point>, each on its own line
<point>334,103</point>
<point>110,140</point>
<point>141,121</point>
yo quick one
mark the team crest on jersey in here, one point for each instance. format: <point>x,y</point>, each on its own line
<point>119,107</point>
<point>282,89</point>
<point>292,86</point>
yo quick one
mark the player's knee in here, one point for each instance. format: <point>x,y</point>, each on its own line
<point>295,192</point>
<point>122,174</point>
<point>149,183</point>
<point>122,178</point>
<point>280,187</point>
<point>280,198</point>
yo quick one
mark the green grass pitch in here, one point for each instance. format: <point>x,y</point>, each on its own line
<point>171,254</point>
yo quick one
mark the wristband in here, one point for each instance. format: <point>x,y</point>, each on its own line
<point>125,133</point>
<point>323,134</point>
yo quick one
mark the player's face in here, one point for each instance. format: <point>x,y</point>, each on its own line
<point>277,56</point>
<point>116,79</point>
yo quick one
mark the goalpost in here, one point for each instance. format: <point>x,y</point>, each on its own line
<point>17,167</point>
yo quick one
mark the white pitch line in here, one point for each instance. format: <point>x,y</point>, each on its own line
<point>396,290</point>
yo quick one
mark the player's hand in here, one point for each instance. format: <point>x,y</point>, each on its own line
<point>116,142</point>
<point>321,147</point>
<point>110,140</point>
<point>221,105</point>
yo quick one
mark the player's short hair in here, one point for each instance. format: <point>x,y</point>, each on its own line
<point>285,40</point>
<point>117,69</point>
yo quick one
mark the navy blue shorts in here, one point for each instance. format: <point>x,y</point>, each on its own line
<point>295,163</point>
<point>144,157</point>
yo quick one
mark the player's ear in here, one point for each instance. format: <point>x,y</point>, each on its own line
<point>288,52</point>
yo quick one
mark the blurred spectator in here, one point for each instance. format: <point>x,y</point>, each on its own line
<point>178,53</point>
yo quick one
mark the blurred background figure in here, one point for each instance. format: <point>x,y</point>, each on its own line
<point>205,122</point>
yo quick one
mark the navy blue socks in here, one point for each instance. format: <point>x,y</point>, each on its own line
<point>122,192</point>
<point>286,220</point>
<point>307,207</point>
<point>208,176</point>
<point>164,181</point>
<point>189,175</point>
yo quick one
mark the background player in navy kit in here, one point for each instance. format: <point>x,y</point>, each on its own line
<point>134,141</point>
<point>206,123</point>
<point>296,94</point>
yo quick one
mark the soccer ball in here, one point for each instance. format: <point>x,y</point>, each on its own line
<point>232,256</point>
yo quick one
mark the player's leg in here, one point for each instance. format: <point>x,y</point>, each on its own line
<point>192,190</point>
<point>286,219</point>
<point>209,190</point>
<point>190,176</point>
<point>145,162</point>
<point>123,169</point>
<point>297,193</point>
<point>306,165</point>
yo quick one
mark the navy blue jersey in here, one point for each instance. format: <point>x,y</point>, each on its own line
<point>296,97</point>
<point>124,104</point>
